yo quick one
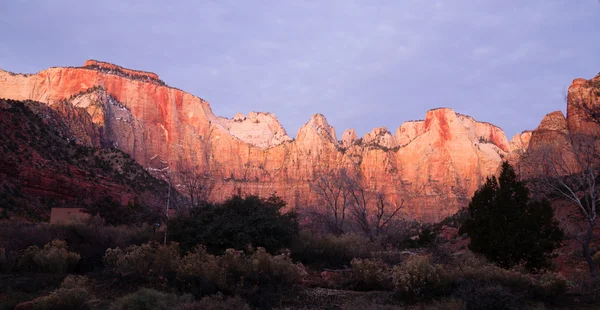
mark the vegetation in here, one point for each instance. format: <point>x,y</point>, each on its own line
<point>508,228</point>
<point>237,223</point>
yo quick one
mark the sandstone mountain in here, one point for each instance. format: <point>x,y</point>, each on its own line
<point>441,159</point>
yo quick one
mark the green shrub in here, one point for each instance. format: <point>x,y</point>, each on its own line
<point>216,303</point>
<point>331,251</point>
<point>149,299</point>
<point>237,223</point>
<point>417,278</point>
<point>370,274</point>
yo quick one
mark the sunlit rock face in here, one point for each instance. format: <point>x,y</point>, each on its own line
<point>582,92</point>
<point>439,158</point>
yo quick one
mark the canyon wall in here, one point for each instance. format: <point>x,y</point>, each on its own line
<point>442,159</point>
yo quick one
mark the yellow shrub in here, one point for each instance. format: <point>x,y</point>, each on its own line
<point>144,260</point>
<point>416,277</point>
<point>370,274</point>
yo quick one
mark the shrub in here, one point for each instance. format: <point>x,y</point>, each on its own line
<point>149,299</point>
<point>552,285</point>
<point>495,275</point>
<point>55,257</point>
<point>75,281</point>
<point>143,261</point>
<point>331,251</point>
<point>237,223</point>
<point>73,293</point>
<point>370,274</point>
<point>204,273</point>
<point>89,240</point>
<point>216,303</point>
<point>417,278</point>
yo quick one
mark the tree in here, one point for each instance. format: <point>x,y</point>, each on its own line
<point>568,168</point>
<point>332,193</point>
<point>198,185</point>
<point>371,209</point>
<point>114,213</point>
<point>508,228</point>
<point>237,223</point>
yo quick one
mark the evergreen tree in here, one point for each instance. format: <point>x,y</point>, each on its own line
<point>509,229</point>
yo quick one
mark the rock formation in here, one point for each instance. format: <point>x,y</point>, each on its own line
<point>260,129</point>
<point>348,138</point>
<point>443,158</point>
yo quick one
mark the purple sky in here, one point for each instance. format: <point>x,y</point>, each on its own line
<point>363,64</point>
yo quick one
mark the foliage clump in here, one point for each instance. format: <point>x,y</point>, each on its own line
<point>417,278</point>
<point>54,257</point>
<point>370,274</point>
<point>331,251</point>
<point>149,299</point>
<point>237,223</point>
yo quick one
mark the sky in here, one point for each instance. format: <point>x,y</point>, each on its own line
<point>363,64</point>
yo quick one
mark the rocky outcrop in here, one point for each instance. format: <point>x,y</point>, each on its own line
<point>446,156</point>
<point>582,92</point>
<point>260,129</point>
<point>408,131</point>
<point>348,138</point>
<point>380,137</point>
<point>553,121</point>
<point>101,65</point>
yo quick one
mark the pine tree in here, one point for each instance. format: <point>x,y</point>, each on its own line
<point>508,228</point>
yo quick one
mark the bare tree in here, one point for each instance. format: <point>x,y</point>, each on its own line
<point>569,168</point>
<point>332,194</point>
<point>372,209</point>
<point>198,185</point>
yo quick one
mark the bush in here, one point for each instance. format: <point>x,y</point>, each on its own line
<point>143,261</point>
<point>89,240</point>
<point>216,303</point>
<point>73,293</point>
<point>331,251</point>
<point>417,278</point>
<point>203,273</point>
<point>149,299</point>
<point>56,258</point>
<point>199,272</point>
<point>552,285</point>
<point>53,258</point>
<point>237,223</point>
<point>370,274</point>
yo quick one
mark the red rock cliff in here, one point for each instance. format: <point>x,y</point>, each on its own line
<point>446,155</point>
